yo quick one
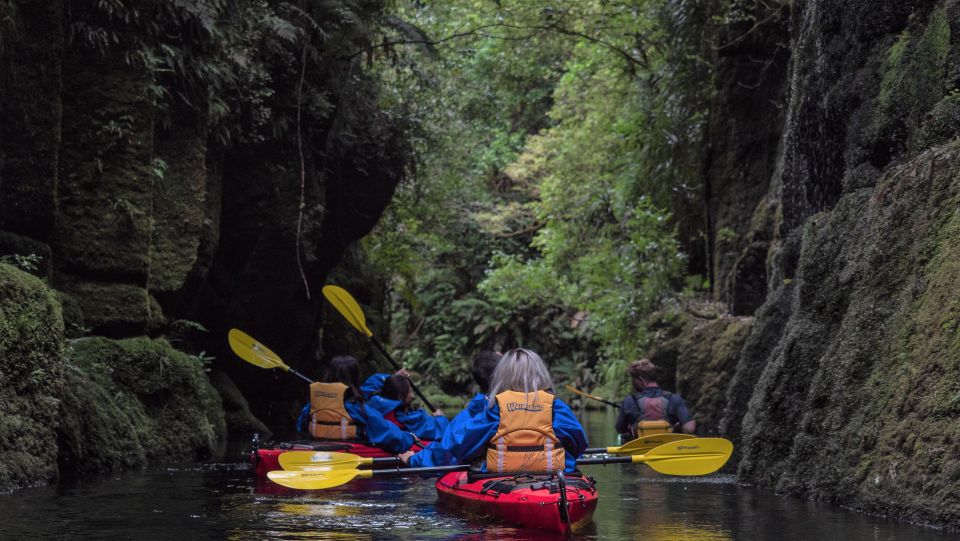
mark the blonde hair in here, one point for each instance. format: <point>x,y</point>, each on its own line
<point>520,370</point>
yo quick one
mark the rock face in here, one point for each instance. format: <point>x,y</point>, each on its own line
<point>847,385</point>
<point>157,199</point>
<point>97,404</point>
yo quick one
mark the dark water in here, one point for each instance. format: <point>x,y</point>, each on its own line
<point>221,501</point>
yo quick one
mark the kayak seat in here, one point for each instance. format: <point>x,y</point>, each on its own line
<point>501,485</point>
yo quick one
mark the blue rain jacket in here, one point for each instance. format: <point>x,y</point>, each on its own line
<point>438,453</point>
<point>471,442</point>
<point>372,427</point>
<point>419,422</point>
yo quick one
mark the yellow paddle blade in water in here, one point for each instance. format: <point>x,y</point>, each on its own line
<point>646,443</point>
<point>697,456</point>
<point>348,307</point>
<point>316,480</point>
<point>248,349</point>
<point>321,461</point>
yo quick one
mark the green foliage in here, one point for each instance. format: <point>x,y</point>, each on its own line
<point>238,63</point>
<point>27,262</point>
<point>549,141</point>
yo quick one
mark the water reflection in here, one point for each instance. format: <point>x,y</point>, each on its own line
<point>223,501</point>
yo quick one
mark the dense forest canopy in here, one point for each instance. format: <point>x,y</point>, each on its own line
<point>555,200</point>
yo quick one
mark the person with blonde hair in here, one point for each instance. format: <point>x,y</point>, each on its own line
<point>650,409</point>
<point>525,428</point>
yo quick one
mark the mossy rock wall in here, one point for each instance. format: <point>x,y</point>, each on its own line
<point>134,401</point>
<point>154,195</point>
<point>861,400</point>
<point>31,379</point>
<point>846,386</point>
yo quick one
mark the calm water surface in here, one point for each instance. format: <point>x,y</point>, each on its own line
<point>222,501</point>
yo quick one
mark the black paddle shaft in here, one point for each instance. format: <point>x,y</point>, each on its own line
<point>300,375</point>
<point>604,460</point>
<point>418,471</point>
<point>396,366</point>
<point>464,467</point>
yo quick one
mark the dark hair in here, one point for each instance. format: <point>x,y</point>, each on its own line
<point>346,370</point>
<point>396,387</point>
<point>483,365</point>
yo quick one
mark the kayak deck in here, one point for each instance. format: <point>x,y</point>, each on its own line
<point>522,500</point>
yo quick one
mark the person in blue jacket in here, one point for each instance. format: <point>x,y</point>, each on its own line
<point>371,426</point>
<point>522,385</point>
<point>391,397</point>
<point>438,453</point>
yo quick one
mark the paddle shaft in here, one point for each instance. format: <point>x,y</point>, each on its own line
<point>464,467</point>
<point>598,399</point>
<point>592,397</point>
<point>298,374</point>
<point>396,366</point>
<point>417,471</point>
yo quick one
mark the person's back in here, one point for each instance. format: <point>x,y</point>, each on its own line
<point>524,428</point>
<point>334,402</point>
<point>337,410</point>
<point>650,409</point>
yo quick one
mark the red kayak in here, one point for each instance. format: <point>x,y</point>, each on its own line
<point>526,501</point>
<point>267,459</point>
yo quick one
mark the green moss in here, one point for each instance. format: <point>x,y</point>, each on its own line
<point>105,306</point>
<point>928,65</point>
<point>31,379</point>
<point>913,80</point>
<point>178,209</point>
<point>893,71</point>
<point>942,124</point>
<point>105,193</point>
<point>129,402</point>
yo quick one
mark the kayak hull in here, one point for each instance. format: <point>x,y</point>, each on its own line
<point>267,459</point>
<point>530,503</point>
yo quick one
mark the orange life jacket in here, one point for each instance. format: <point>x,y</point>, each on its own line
<point>329,419</point>
<point>525,441</point>
<point>653,415</point>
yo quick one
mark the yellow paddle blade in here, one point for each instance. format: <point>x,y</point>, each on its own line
<point>348,307</point>
<point>316,480</point>
<point>697,456</point>
<point>248,349</point>
<point>645,443</point>
<point>321,461</point>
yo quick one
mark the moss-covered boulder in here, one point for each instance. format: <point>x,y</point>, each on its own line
<point>31,379</point>
<point>133,401</point>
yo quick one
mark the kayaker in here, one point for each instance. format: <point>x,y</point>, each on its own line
<point>524,428</point>
<point>337,410</point>
<point>438,453</point>
<point>650,409</point>
<point>391,396</point>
